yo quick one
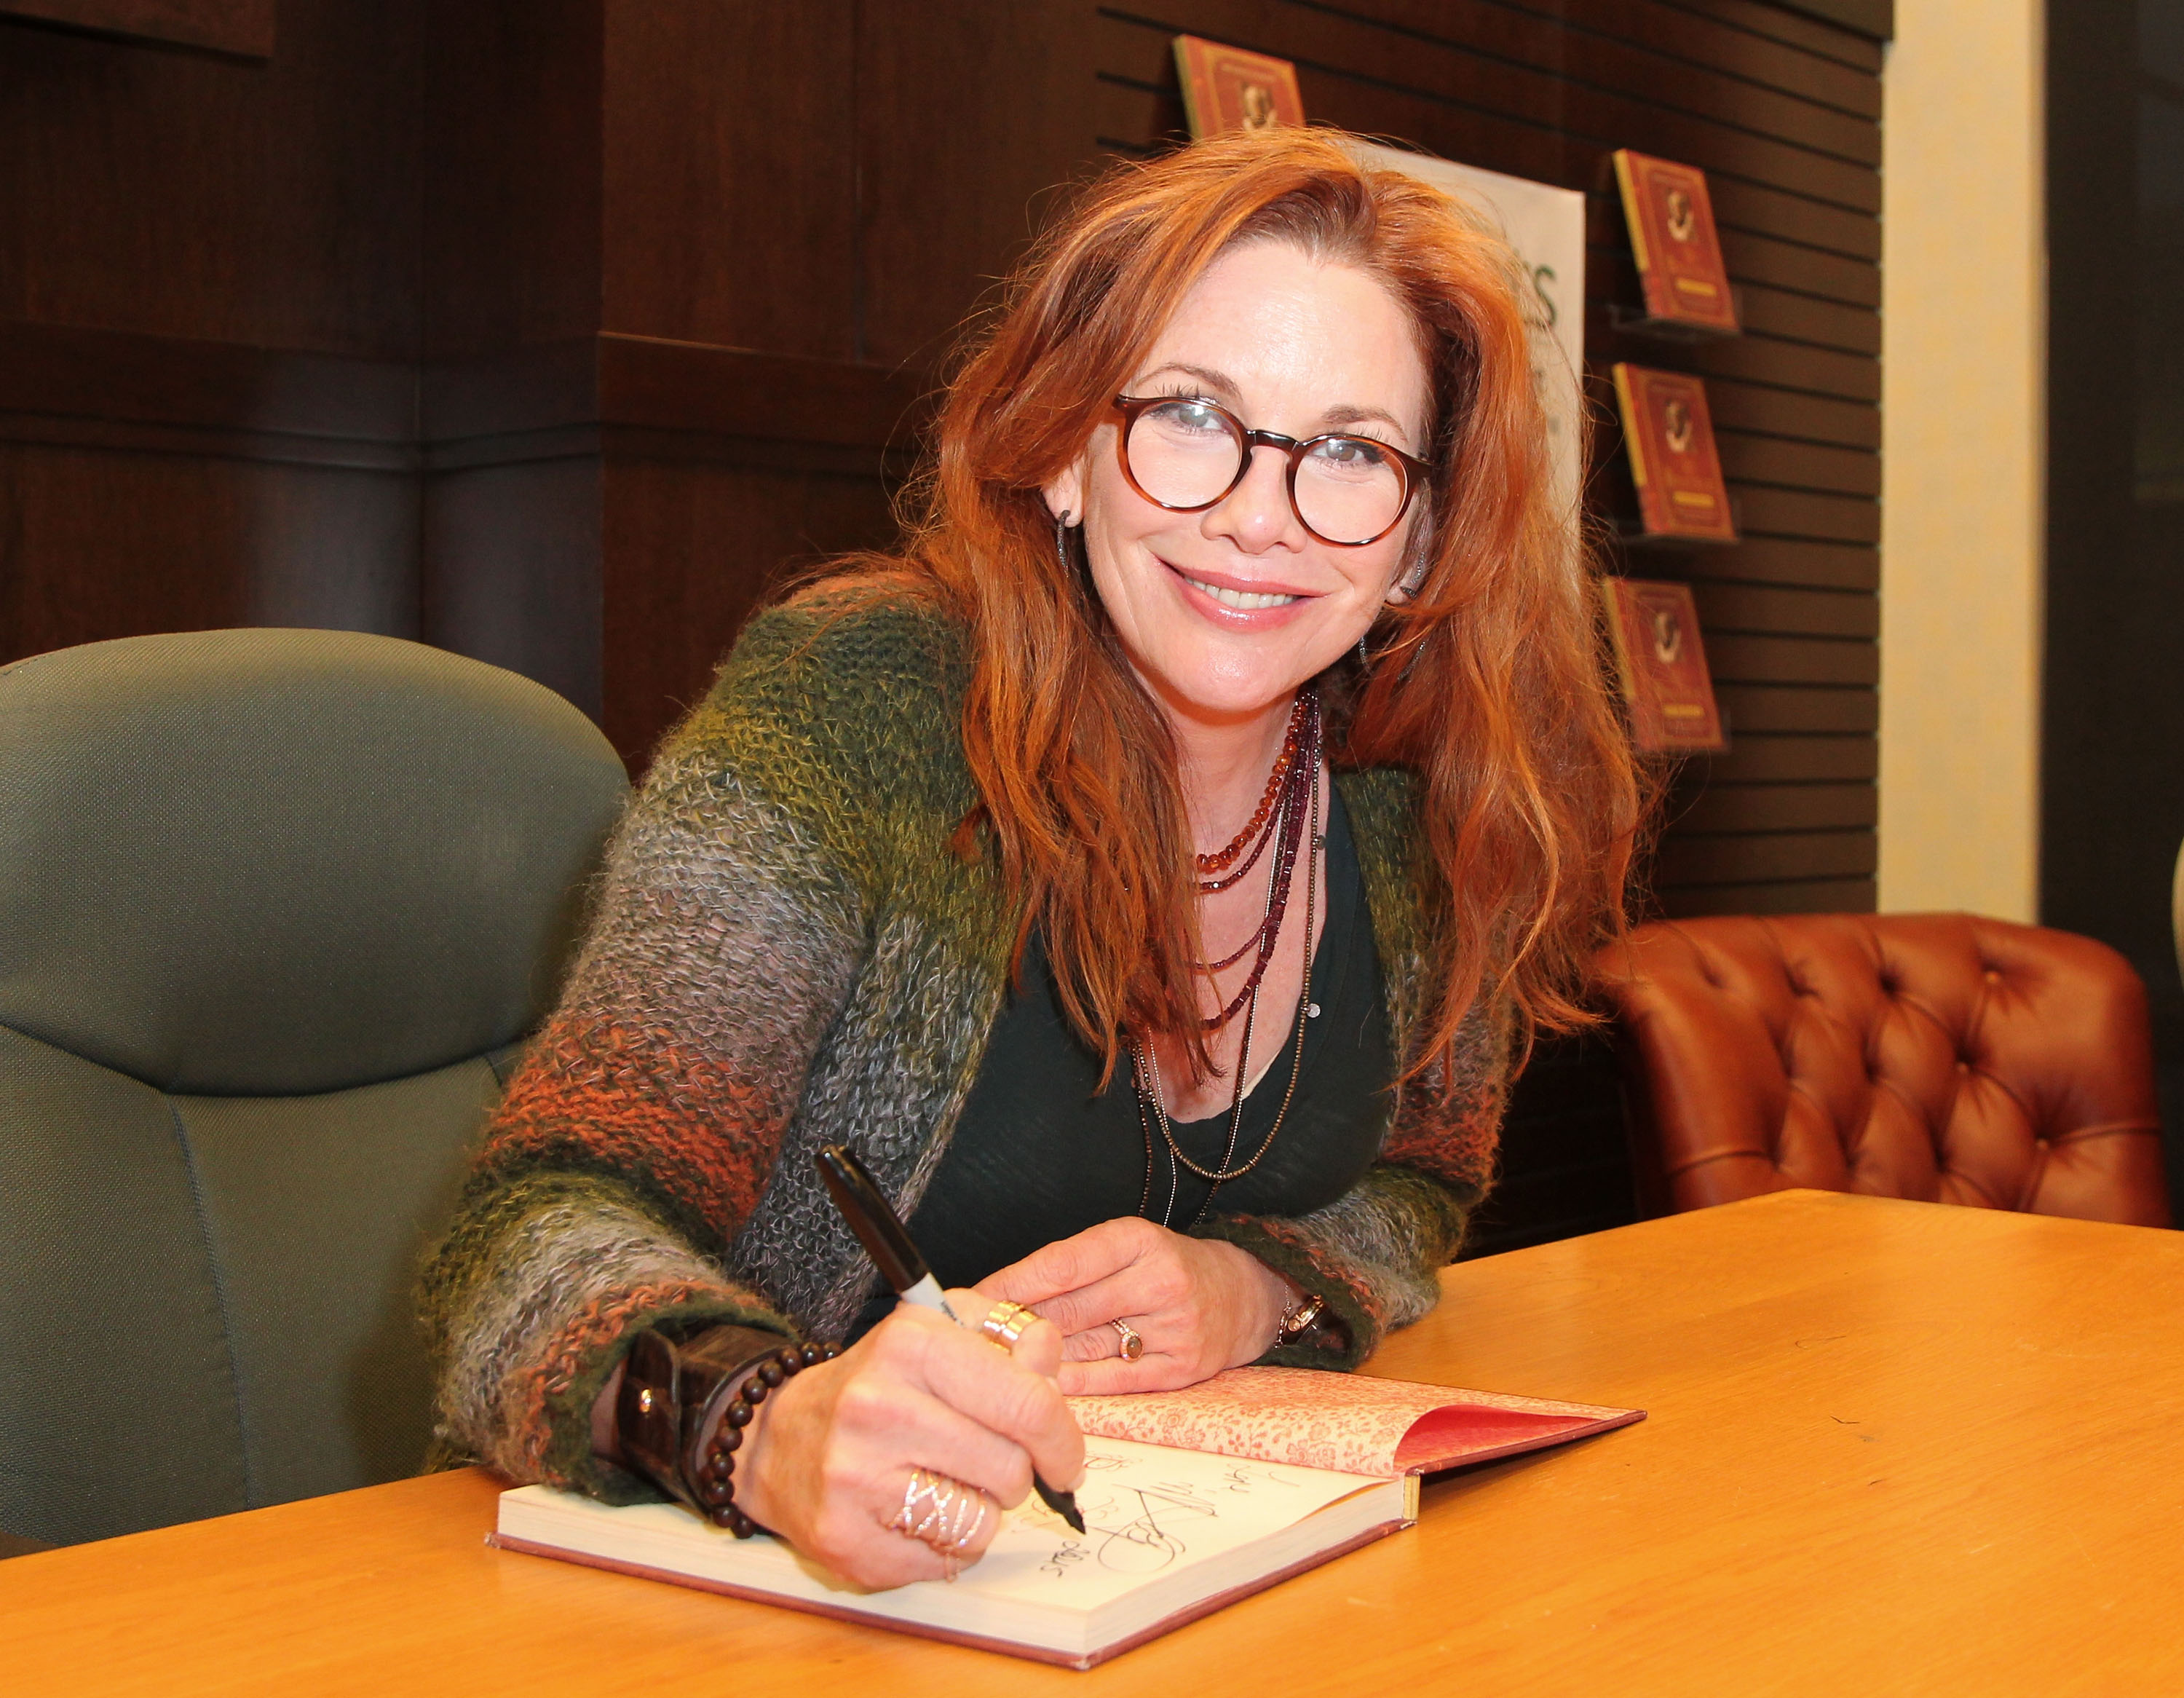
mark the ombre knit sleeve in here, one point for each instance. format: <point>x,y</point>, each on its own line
<point>643,1123</point>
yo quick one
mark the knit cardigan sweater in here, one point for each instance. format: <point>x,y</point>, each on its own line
<point>785,953</point>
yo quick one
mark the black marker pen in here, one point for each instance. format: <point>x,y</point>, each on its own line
<point>880,1230</point>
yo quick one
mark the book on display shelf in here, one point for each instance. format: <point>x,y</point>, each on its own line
<point>1668,432</point>
<point>1192,1499</point>
<point>1661,665</point>
<point>1226,88</point>
<point>1677,248</point>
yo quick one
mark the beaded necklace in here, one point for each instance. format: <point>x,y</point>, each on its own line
<point>1221,859</point>
<point>1298,768</point>
<point>1299,802</point>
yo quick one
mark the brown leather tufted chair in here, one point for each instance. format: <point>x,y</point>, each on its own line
<point>1943,1058</point>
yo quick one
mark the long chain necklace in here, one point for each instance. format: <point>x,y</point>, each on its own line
<point>1295,809</point>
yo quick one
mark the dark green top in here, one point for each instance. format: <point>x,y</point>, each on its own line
<point>1042,1153</point>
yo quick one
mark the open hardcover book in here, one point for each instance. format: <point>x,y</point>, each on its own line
<point>1193,1498</point>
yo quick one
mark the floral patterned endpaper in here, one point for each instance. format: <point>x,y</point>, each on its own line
<point>1352,1423</point>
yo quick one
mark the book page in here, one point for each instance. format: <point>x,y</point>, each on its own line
<point>1147,1512</point>
<point>1164,1530</point>
<point>1353,1423</point>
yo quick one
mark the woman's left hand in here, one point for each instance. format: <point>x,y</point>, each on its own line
<point>1199,1305</point>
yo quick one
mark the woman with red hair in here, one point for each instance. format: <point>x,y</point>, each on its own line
<point>1149,873</point>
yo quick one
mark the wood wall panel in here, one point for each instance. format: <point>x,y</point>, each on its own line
<point>1793,266</point>
<point>244,27</point>
<point>98,542</point>
<point>731,170</point>
<point>1794,660</point>
<point>952,191</point>
<point>1797,464</point>
<point>1858,47</point>
<point>1777,807</point>
<point>1737,405</point>
<point>1740,606</point>
<point>512,572</point>
<point>692,544</point>
<point>268,203</point>
<point>512,206</point>
<point>1799,757</point>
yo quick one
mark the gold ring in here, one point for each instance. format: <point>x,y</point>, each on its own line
<point>1132,1346</point>
<point>944,1513</point>
<point>1005,1323</point>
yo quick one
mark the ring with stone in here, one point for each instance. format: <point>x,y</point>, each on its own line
<point>1132,1346</point>
<point>1005,1323</point>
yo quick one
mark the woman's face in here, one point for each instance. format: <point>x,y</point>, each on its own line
<point>1288,344</point>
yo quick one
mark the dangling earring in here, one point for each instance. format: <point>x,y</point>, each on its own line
<point>1364,660</point>
<point>1062,540</point>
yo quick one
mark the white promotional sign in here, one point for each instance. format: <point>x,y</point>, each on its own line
<point>1546,225</point>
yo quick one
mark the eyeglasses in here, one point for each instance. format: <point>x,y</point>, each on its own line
<point>1185,455</point>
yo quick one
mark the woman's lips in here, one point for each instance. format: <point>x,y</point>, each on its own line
<point>1245,601</point>
<point>1235,604</point>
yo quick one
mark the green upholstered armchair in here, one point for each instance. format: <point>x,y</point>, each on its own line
<point>276,910</point>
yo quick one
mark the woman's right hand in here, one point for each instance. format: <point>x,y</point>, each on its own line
<point>827,1459</point>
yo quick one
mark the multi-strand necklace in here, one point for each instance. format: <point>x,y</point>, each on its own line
<point>1290,805</point>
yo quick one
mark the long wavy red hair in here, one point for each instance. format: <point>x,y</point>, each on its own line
<point>1486,684</point>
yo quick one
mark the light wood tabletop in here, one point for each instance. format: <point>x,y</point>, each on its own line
<point>1893,1449</point>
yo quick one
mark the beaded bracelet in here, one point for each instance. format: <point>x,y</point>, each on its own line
<point>685,1403</point>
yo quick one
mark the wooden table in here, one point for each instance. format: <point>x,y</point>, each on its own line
<point>1893,1449</point>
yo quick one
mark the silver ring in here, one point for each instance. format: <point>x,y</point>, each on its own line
<point>1132,1346</point>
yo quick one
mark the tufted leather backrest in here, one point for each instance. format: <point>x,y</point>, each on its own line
<point>1943,1058</point>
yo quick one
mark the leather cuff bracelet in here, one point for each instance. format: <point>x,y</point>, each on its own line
<point>684,1405</point>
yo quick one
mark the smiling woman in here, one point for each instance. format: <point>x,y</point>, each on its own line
<point>1148,871</point>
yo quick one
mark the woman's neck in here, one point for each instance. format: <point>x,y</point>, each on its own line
<point>1223,764</point>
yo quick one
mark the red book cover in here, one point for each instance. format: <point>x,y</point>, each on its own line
<point>1669,436</point>
<point>1225,88</point>
<point>1671,233</point>
<point>1655,627</point>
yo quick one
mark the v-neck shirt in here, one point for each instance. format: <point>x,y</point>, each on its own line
<point>1040,1152</point>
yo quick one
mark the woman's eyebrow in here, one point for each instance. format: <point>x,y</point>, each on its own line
<point>1335,418</point>
<point>1204,374</point>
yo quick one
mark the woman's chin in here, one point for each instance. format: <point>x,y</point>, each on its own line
<point>1217,697</point>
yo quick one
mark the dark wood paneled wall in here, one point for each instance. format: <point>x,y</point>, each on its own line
<point>552,331</point>
<point>690,271</point>
<point>208,310</point>
<point>241,27</point>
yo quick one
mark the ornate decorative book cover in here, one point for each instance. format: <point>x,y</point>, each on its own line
<point>1669,435</point>
<point>1655,627</point>
<point>1671,233</point>
<point>1225,88</point>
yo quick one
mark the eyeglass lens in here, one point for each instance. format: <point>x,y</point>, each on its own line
<point>1187,453</point>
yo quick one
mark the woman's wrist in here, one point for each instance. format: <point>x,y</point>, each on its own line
<point>605,1444</point>
<point>1259,1318</point>
<point>752,1496</point>
<point>685,1409</point>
